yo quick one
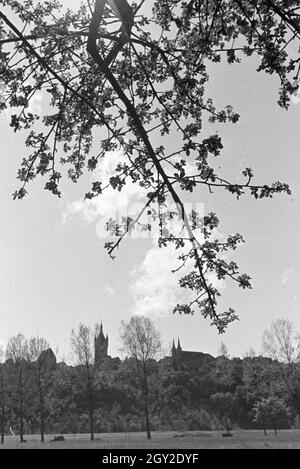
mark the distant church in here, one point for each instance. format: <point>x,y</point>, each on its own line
<point>179,356</point>
<point>187,357</point>
<point>100,347</point>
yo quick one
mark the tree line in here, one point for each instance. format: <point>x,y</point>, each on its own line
<point>145,391</point>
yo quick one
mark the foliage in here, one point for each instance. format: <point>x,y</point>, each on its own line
<point>281,343</point>
<point>271,410</point>
<point>223,351</point>
<point>17,355</point>
<point>42,365</point>
<point>206,393</point>
<point>223,405</point>
<point>226,373</point>
<point>83,348</point>
<point>141,341</point>
<point>180,398</point>
<point>133,76</point>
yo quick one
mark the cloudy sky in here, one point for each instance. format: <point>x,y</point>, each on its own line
<point>55,273</point>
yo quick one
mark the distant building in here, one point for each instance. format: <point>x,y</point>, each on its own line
<point>187,357</point>
<point>100,347</point>
<point>47,358</point>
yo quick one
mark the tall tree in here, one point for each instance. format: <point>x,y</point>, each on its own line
<point>17,352</point>
<point>272,410</point>
<point>136,73</point>
<point>223,405</point>
<point>281,343</point>
<point>82,345</point>
<point>43,361</point>
<point>141,341</point>
<point>223,351</point>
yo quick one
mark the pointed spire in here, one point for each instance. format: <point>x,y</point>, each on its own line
<point>173,349</point>
<point>178,346</point>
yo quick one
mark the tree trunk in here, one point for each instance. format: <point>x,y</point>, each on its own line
<point>42,416</point>
<point>21,408</point>
<point>92,424</point>
<point>2,423</point>
<point>227,424</point>
<point>147,421</point>
<point>21,424</point>
<point>91,413</point>
<point>265,429</point>
<point>146,404</point>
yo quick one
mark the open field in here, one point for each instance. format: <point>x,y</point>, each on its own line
<point>246,439</point>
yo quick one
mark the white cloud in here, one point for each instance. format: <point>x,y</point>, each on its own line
<point>156,288</point>
<point>111,203</point>
<point>35,105</point>
<point>127,201</point>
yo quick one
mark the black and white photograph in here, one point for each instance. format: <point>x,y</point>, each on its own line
<point>149,227</point>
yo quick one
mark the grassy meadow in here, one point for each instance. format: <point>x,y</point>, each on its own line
<point>241,439</point>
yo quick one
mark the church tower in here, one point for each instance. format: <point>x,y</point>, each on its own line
<point>176,351</point>
<point>179,350</point>
<point>173,350</point>
<point>100,347</point>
